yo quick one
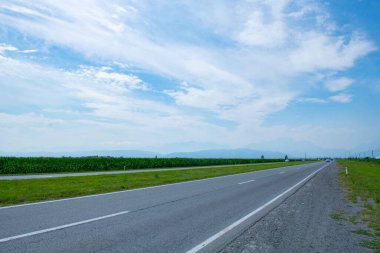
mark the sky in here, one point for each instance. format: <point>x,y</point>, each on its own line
<point>281,75</point>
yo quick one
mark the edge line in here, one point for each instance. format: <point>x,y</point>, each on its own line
<point>238,222</point>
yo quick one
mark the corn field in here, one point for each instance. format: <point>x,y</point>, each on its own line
<point>24,165</point>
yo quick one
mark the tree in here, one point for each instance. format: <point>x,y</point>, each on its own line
<point>262,156</point>
<point>286,157</point>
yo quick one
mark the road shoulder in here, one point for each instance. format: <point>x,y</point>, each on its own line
<point>317,218</point>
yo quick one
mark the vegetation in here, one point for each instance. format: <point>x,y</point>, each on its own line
<point>18,165</point>
<point>21,191</point>
<point>363,180</point>
<point>338,215</point>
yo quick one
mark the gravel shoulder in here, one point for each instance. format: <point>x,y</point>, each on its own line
<point>317,218</point>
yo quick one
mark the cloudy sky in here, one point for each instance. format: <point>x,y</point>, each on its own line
<point>169,75</point>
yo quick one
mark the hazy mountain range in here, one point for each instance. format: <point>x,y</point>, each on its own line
<point>210,153</point>
<point>228,153</point>
<point>206,153</point>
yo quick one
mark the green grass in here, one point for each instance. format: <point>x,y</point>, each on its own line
<point>338,215</point>
<point>363,181</point>
<point>31,190</point>
<point>371,245</point>
<point>362,232</point>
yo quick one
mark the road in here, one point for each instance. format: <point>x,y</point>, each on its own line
<point>95,173</point>
<point>195,216</point>
<point>306,220</point>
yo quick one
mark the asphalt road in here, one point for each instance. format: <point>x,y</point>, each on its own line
<point>95,173</point>
<point>305,219</point>
<point>196,216</point>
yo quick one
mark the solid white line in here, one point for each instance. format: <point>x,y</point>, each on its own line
<point>247,181</point>
<point>139,189</point>
<point>238,222</point>
<point>60,227</point>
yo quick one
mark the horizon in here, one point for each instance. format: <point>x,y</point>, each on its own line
<point>238,153</point>
<point>283,76</point>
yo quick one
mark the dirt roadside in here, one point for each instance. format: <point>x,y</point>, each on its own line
<point>317,218</point>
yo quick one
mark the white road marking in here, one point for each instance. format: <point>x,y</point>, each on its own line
<point>238,222</point>
<point>282,172</point>
<point>247,181</point>
<point>138,189</point>
<point>60,227</point>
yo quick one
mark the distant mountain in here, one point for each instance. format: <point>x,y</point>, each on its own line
<point>113,153</point>
<point>206,153</point>
<point>188,146</point>
<point>227,153</point>
<point>298,148</point>
<point>209,153</point>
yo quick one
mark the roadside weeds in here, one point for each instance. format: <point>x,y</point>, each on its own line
<point>361,190</point>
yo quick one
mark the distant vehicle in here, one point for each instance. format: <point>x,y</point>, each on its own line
<point>328,160</point>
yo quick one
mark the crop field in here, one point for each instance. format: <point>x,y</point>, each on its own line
<point>25,165</point>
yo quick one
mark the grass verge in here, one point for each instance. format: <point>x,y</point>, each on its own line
<point>341,215</point>
<point>31,190</point>
<point>363,180</point>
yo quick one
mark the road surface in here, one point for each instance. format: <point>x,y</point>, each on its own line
<point>195,216</point>
<point>306,220</point>
<point>95,173</point>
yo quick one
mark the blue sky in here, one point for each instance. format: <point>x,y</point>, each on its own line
<point>281,75</point>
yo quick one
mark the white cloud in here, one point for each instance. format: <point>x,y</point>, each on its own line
<point>254,74</point>
<point>343,98</point>
<point>339,84</point>
<point>313,100</point>
<point>5,47</point>
<point>29,51</point>
<point>323,52</point>
<point>303,11</point>
<point>259,31</point>
<point>86,111</point>
<point>119,81</point>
